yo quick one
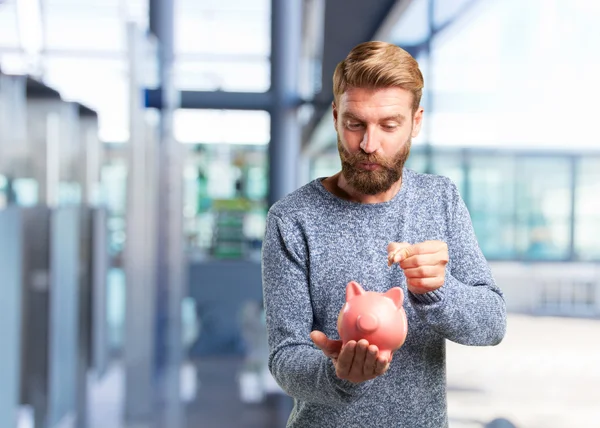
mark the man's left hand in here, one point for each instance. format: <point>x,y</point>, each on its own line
<point>424,264</point>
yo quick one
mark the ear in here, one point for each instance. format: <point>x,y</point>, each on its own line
<point>397,296</point>
<point>335,114</point>
<point>353,289</point>
<point>417,120</point>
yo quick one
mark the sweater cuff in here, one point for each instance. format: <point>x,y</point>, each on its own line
<point>429,297</point>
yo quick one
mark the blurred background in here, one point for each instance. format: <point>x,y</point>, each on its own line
<point>142,142</point>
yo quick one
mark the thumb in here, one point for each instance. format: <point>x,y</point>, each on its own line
<point>398,251</point>
<point>330,348</point>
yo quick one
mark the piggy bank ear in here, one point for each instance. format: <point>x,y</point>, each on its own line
<point>397,296</point>
<point>353,289</point>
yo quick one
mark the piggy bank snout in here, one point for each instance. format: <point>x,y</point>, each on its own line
<point>367,323</point>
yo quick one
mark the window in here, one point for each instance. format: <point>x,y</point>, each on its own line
<point>490,198</point>
<point>543,208</point>
<point>587,209</point>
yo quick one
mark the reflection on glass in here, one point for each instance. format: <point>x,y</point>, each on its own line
<point>417,161</point>
<point>450,165</point>
<point>25,191</point>
<point>225,200</point>
<point>325,165</point>
<point>543,207</point>
<point>491,198</point>
<point>3,191</point>
<point>587,209</point>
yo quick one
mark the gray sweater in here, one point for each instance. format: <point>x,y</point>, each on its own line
<point>315,243</point>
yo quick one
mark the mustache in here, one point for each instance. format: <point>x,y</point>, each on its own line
<point>361,157</point>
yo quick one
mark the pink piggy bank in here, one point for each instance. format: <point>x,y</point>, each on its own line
<point>377,317</point>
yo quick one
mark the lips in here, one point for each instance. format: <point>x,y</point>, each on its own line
<point>368,166</point>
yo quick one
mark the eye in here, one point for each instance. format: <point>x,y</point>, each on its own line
<point>390,126</point>
<point>354,126</point>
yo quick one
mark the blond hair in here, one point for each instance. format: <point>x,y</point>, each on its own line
<point>375,65</point>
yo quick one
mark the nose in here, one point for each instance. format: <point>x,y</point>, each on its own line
<point>370,142</point>
<point>367,323</point>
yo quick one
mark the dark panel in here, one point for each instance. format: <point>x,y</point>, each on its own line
<point>86,111</point>
<point>11,257</point>
<point>213,100</point>
<point>64,313</point>
<point>220,288</point>
<point>37,89</point>
<point>35,314</point>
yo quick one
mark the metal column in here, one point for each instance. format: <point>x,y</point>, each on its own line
<point>140,297</point>
<point>284,148</point>
<point>171,262</point>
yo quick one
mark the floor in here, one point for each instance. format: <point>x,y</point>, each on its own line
<point>218,403</point>
<point>545,374</point>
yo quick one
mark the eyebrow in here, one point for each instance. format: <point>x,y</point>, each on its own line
<point>397,117</point>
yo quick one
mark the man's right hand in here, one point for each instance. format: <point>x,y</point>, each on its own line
<point>355,361</point>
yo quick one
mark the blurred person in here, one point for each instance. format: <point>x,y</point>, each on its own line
<point>382,225</point>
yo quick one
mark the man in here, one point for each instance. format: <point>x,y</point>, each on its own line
<point>381,225</point>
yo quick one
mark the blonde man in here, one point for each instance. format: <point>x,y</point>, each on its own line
<point>352,226</point>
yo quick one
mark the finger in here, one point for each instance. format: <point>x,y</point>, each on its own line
<point>381,366</point>
<point>424,272</point>
<point>358,364</point>
<point>371,360</point>
<point>426,247</point>
<point>424,285</point>
<point>330,348</point>
<point>422,260</point>
<point>394,251</point>
<point>345,359</point>
<point>429,247</point>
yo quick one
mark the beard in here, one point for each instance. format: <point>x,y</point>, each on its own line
<point>372,182</point>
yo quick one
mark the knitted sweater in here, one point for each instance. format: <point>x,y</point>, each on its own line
<point>315,243</point>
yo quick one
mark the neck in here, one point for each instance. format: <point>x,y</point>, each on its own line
<point>339,186</point>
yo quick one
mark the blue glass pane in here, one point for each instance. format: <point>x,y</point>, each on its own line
<point>544,207</point>
<point>587,209</point>
<point>490,198</point>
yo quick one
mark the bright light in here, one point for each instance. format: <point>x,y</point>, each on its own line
<point>29,16</point>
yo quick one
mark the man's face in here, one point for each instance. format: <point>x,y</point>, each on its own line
<point>374,128</point>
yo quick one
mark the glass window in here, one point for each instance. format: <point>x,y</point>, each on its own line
<point>83,27</point>
<point>100,84</point>
<point>3,192</point>
<point>417,160</point>
<point>226,74</point>
<point>225,199</point>
<point>587,209</point>
<point>412,27</point>
<point>509,47</point>
<point>450,164</point>
<point>9,36</point>
<point>543,207</point>
<point>223,45</point>
<point>223,26</point>
<point>325,165</point>
<point>490,197</point>
<point>222,126</point>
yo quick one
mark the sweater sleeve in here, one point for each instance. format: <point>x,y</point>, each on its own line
<point>469,308</point>
<point>298,366</point>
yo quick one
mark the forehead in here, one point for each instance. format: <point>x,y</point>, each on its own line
<point>376,102</point>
